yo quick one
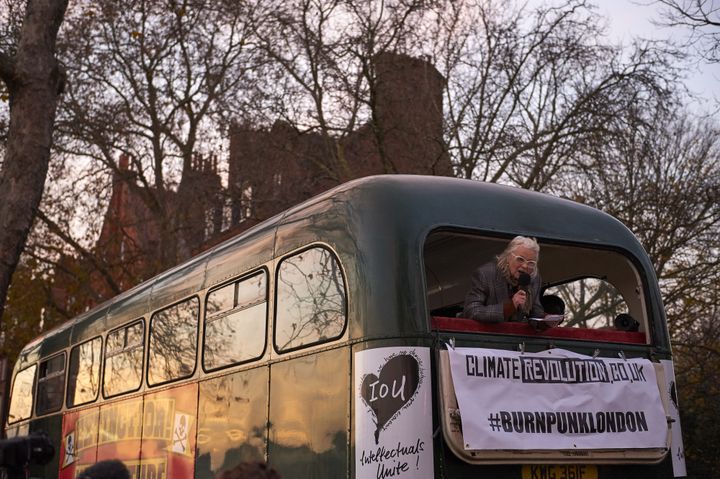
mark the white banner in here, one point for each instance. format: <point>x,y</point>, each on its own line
<point>556,399</point>
<point>677,451</point>
<point>393,413</point>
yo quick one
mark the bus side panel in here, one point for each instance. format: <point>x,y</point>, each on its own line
<point>232,421</point>
<point>310,415</point>
<point>79,442</point>
<point>168,435</point>
<point>120,432</point>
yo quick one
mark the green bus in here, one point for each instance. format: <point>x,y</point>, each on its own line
<point>329,342</point>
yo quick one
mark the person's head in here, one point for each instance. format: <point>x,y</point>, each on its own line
<point>249,470</point>
<point>110,469</point>
<point>521,255</point>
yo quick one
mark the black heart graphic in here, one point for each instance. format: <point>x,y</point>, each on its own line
<point>396,386</point>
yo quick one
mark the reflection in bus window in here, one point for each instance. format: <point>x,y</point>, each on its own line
<point>51,381</point>
<point>311,301</point>
<point>123,359</point>
<point>235,330</point>
<point>589,303</point>
<point>21,398</point>
<point>220,300</point>
<point>84,374</point>
<point>173,342</point>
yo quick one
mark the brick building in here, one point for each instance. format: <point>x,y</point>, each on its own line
<point>269,170</point>
<point>144,231</point>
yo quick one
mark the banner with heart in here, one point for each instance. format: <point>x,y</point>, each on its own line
<point>392,389</point>
<point>393,413</point>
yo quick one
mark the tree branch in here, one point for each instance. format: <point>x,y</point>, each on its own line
<point>85,254</point>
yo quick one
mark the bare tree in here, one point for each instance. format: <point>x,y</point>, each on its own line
<point>154,83</point>
<point>325,56</point>
<point>659,175</point>
<point>34,80</point>
<point>701,18</point>
<point>527,89</point>
<point>697,366</point>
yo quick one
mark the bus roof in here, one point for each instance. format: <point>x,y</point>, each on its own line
<point>415,199</point>
<point>362,213</point>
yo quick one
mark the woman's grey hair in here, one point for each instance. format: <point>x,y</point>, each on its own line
<point>503,259</point>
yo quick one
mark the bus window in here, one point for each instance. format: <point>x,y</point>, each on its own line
<point>235,322</point>
<point>21,398</point>
<point>596,285</point>
<point>311,300</point>
<point>51,381</point>
<point>84,373</point>
<point>590,303</point>
<point>173,342</point>
<point>124,359</point>
<point>221,300</point>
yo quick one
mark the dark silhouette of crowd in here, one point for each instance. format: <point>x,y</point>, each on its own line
<point>249,470</point>
<point>115,469</point>
<point>109,469</point>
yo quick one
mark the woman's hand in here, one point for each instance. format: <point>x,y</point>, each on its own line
<point>518,298</point>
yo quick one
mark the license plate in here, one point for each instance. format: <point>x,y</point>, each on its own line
<point>559,471</point>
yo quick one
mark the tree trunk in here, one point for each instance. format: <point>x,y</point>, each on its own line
<point>34,80</point>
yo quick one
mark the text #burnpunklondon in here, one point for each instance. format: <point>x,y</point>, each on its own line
<point>568,422</point>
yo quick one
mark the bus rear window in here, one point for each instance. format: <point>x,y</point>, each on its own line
<point>595,289</point>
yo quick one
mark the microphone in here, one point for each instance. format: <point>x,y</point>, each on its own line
<point>523,281</point>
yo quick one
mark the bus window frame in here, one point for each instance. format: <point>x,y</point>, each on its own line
<point>197,339</point>
<point>278,263</point>
<point>47,378</point>
<point>237,308</point>
<point>140,320</point>
<point>33,388</point>
<point>648,320</point>
<point>100,373</point>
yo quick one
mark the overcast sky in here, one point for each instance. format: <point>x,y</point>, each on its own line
<point>630,18</point>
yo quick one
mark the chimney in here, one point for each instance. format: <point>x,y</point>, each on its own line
<point>124,162</point>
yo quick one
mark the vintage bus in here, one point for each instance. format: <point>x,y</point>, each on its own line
<point>329,342</point>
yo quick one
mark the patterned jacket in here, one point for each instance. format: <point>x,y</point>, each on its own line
<point>489,293</point>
